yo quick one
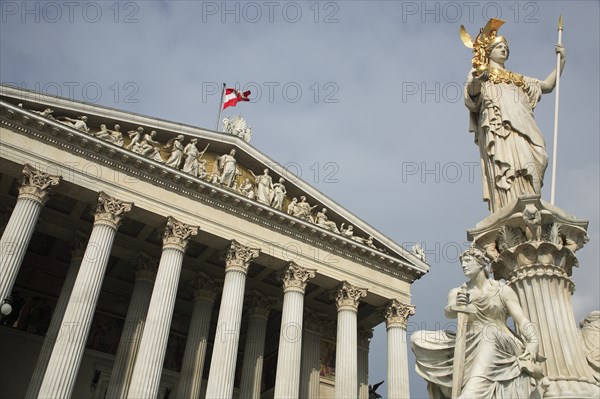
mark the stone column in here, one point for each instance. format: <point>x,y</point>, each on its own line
<point>133,328</point>
<point>192,367</point>
<point>33,194</point>
<point>311,356</point>
<point>364,336</point>
<point>533,246</point>
<point>258,316</point>
<point>396,315</point>
<point>346,357</point>
<point>287,380</point>
<point>151,354</point>
<point>224,356</point>
<point>63,366</point>
<point>346,374</point>
<point>78,249</point>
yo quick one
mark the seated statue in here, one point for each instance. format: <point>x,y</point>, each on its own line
<point>590,333</point>
<point>498,364</point>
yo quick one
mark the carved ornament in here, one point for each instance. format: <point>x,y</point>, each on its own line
<point>296,277</point>
<point>35,185</point>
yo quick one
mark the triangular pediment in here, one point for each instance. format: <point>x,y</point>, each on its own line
<point>247,178</point>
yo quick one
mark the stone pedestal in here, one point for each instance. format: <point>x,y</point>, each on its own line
<point>149,362</point>
<point>346,357</point>
<point>63,366</point>
<point>533,245</point>
<point>133,328</point>
<point>192,366</point>
<point>33,194</point>
<point>224,356</point>
<point>58,313</point>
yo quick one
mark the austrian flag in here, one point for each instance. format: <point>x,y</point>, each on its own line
<point>232,96</point>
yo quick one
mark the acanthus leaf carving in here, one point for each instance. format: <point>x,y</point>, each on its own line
<point>36,184</point>
<point>109,210</point>
<point>295,277</point>
<point>177,234</point>
<point>348,296</point>
<point>397,313</point>
<point>239,256</point>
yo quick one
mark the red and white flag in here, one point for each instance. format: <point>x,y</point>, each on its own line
<point>232,96</point>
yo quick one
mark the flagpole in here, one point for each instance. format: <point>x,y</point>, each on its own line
<point>220,108</point>
<point>554,149</point>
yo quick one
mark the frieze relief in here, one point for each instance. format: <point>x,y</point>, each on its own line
<point>222,169</point>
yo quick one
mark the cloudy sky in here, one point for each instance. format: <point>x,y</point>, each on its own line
<point>361,99</point>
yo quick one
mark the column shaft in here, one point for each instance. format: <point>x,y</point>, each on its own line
<point>224,357</point>
<point>131,335</point>
<point>151,354</point>
<point>363,372</point>
<point>250,386</point>
<point>55,324</point>
<point>346,357</point>
<point>63,366</point>
<point>287,380</point>
<point>33,194</point>
<point>311,356</point>
<point>192,367</point>
<point>15,241</point>
<point>397,372</point>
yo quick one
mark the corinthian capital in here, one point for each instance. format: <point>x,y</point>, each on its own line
<point>206,287</point>
<point>177,234</point>
<point>348,296</point>
<point>35,184</point>
<point>259,304</point>
<point>146,267</point>
<point>110,211</point>
<point>296,277</point>
<point>238,257</point>
<point>397,313</point>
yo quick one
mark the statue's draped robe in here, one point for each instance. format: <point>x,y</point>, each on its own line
<point>512,149</point>
<point>492,367</point>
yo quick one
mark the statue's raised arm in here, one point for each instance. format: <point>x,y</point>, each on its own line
<point>501,103</point>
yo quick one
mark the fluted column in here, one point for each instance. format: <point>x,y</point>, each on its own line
<point>287,380</point>
<point>192,367</point>
<point>311,356</point>
<point>151,354</point>
<point>63,366</point>
<point>346,357</point>
<point>396,316</point>
<point>33,194</point>
<point>131,336</point>
<point>78,249</point>
<point>252,368</point>
<point>224,356</point>
<point>364,336</point>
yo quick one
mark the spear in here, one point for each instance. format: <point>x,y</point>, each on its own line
<point>554,149</point>
<point>460,346</point>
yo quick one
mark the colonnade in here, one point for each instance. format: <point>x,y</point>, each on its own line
<point>139,360</point>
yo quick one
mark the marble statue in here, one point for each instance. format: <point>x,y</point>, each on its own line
<point>418,251</point>
<point>191,158</point>
<point>302,210</point>
<point>322,220</point>
<point>292,206</point>
<point>238,127</point>
<point>247,189</point>
<point>46,113</point>
<point>176,147</point>
<point>279,192</point>
<point>148,147</point>
<point>501,103</point>
<point>202,171</point>
<point>264,187</point>
<point>103,133</point>
<point>117,136</point>
<point>348,232</point>
<point>590,333</point>
<point>79,124</point>
<point>497,363</point>
<point>135,136</point>
<point>227,166</point>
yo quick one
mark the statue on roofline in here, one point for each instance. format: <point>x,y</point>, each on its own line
<point>501,103</point>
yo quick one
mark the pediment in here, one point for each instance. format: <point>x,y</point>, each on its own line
<point>247,178</point>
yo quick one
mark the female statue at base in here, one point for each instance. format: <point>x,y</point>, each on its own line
<point>501,103</point>
<point>498,364</point>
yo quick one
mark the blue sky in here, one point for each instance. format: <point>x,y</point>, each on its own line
<point>362,99</point>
